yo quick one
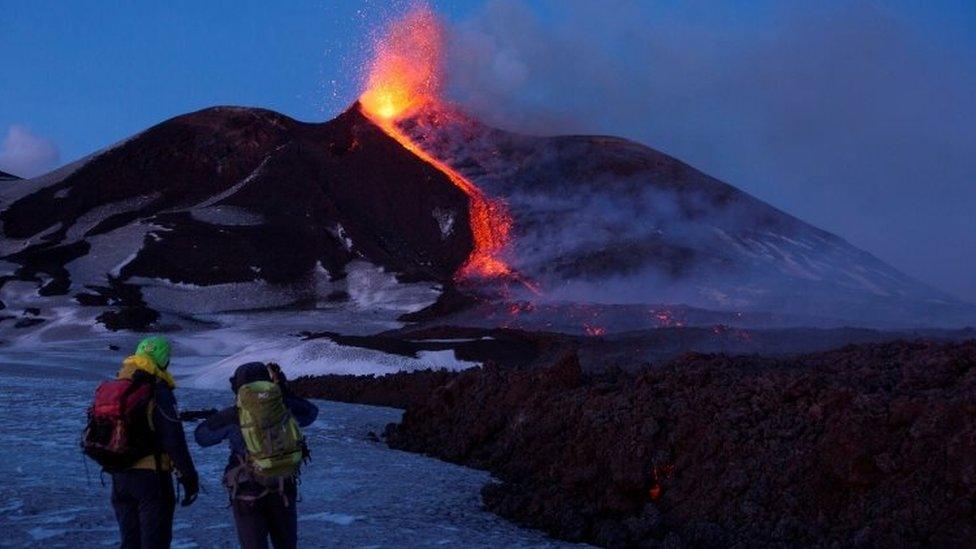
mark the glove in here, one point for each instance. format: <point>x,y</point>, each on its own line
<point>277,375</point>
<point>191,487</point>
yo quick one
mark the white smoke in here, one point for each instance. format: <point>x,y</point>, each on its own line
<point>853,116</point>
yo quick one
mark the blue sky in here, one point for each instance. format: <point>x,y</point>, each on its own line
<point>855,116</point>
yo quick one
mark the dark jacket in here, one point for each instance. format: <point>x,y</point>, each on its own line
<point>224,425</point>
<point>168,430</point>
<point>144,499</point>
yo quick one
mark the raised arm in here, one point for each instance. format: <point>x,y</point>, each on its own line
<point>216,428</point>
<point>304,411</point>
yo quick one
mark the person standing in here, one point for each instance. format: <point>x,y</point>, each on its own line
<point>266,451</point>
<point>135,433</point>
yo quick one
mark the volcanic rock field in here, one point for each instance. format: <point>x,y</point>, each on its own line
<point>867,445</point>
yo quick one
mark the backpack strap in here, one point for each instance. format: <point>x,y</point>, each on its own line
<point>234,476</point>
<point>157,449</point>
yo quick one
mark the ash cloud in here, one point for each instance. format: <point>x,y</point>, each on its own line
<point>26,154</point>
<point>852,116</point>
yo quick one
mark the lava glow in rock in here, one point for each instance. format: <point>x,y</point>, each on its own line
<point>404,77</point>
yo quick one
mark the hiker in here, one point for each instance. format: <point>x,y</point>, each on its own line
<point>135,434</point>
<point>265,455</point>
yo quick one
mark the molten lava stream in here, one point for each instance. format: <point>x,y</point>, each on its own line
<point>404,77</point>
<point>490,223</point>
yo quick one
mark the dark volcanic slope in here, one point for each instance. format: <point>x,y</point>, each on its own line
<point>4,176</point>
<point>232,195</point>
<point>606,219</point>
<point>863,446</point>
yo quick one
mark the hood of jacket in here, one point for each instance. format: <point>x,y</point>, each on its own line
<point>143,363</point>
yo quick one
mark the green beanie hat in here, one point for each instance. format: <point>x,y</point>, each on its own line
<point>157,348</point>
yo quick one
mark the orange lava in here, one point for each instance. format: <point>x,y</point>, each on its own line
<point>404,76</point>
<point>659,474</point>
<point>594,331</point>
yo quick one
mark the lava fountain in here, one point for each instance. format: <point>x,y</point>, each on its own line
<point>404,77</point>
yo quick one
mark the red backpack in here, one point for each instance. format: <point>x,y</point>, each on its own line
<point>118,432</point>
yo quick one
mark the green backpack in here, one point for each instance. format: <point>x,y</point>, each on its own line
<point>275,445</point>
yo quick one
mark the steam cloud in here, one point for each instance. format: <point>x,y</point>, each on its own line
<point>26,154</point>
<point>849,116</point>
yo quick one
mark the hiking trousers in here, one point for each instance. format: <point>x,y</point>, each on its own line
<point>144,503</point>
<point>269,516</point>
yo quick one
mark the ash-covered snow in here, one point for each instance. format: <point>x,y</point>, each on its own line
<point>21,188</point>
<point>216,328</point>
<point>21,295</point>
<point>191,299</point>
<point>227,215</point>
<point>354,493</point>
<point>370,287</point>
<point>96,215</point>
<point>217,199</point>
<point>445,220</point>
<point>321,356</point>
<point>109,253</point>
<point>13,245</point>
<point>343,236</point>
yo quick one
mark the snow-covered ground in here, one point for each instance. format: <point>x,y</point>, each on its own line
<point>355,493</point>
<point>214,329</point>
<point>212,341</point>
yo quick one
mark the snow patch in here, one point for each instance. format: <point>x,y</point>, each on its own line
<point>40,533</point>
<point>10,246</point>
<point>19,189</point>
<point>94,216</point>
<point>335,518</point>
<point>238,186</point>
<point>860,281</point>
<point>227,215</point>
<point>183,298</point>
<point>20,294</point>
<point>370,287</point>
<point>340,233</point>
<point>322,279</point>
<point>455,340</point>
<point>320,356</point>
<point>445,220</point>
<point>109,253</point>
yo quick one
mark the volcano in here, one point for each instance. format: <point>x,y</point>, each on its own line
<point>229,196</point>
<point>240,209</point>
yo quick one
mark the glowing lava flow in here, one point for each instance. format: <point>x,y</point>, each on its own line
<point>490,223</point>
<point>404,76</point>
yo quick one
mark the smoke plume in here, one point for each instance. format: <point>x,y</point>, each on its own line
<point>851,116</point>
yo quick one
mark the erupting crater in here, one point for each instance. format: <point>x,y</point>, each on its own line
<point>403,79</point>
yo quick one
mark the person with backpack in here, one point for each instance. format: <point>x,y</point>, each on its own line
<point>266,452</point>
<point>134,433</point>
